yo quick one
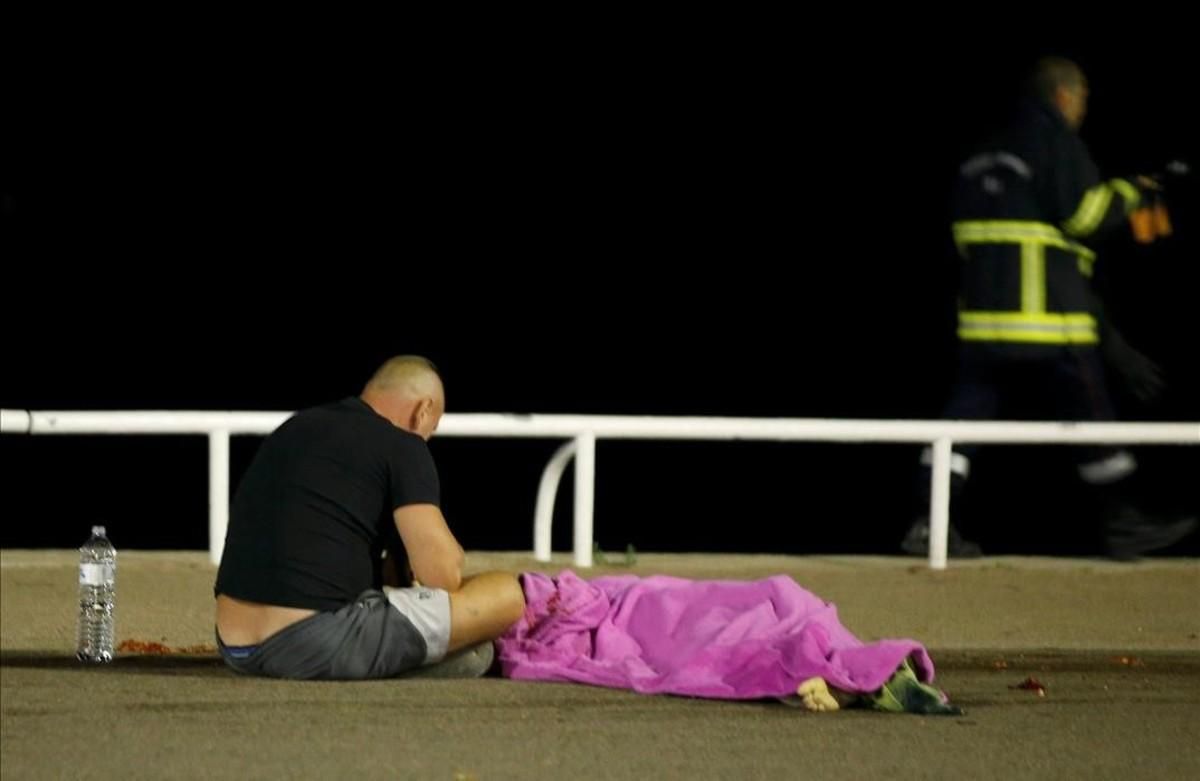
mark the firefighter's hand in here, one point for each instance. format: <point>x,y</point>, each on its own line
<point>1148,183</point>
<point>1142,376</point>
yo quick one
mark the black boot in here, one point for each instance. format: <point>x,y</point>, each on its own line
<point>1130,532</point>
<point>916,542</point>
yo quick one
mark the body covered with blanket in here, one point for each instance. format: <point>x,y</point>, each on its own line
<point>704,638</point>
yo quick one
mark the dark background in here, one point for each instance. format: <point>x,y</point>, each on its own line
<point>710,228</point>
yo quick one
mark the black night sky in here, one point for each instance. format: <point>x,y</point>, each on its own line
<point>729,232</point>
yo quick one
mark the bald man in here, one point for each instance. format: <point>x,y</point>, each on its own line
<point>301,589</point>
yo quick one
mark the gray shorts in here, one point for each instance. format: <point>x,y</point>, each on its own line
<point>380,634</point>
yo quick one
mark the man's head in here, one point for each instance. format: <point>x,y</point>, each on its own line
<point>407,390</point>
<point>1060,83</point>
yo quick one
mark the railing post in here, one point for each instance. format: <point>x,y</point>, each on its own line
<point>218,492</point>
<point>585,492</point>
<point>939,509</point>
<point>16,421</point>
<point>543,511</point>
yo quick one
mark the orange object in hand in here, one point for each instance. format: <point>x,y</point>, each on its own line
<point>1141,220</point>
<point>1160,218</point>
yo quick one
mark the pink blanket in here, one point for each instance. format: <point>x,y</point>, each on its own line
<point>711,638</point>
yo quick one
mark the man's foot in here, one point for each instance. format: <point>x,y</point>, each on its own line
<point>471,662</point>
<point>1129,538</point>
<point>903,693</point>
<point>916,542</point>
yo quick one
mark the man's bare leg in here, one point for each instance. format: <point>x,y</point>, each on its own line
<point>484,608</point>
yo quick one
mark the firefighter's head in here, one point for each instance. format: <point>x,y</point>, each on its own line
<point>1060,83</point>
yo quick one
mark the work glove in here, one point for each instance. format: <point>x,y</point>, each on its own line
<point>1140,375</point>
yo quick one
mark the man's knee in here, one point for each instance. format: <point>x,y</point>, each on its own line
<point>513,599</point>
<point>485,608</point>
<point>505,597</point>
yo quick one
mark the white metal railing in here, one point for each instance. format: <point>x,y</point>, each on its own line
<point>583,431</point>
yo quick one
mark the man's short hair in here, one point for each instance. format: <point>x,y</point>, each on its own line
<point>1050,73</point>
<point>402,369</point>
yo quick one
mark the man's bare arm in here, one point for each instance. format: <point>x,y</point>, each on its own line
<point>434,555</point>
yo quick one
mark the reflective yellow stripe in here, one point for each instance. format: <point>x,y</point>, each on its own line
<point>1085,266</point>
<point>1030,337</point>
<point>968,232</point>
<point>1077,223</point>
<point>1127,191</point>
<point>1028,327</point>
<point>1055,319</point>
<point>1091,210</point>
<point>1033,277</point>
<point>1012,230</point>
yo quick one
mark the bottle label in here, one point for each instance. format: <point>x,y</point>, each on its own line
<point>95,574</point>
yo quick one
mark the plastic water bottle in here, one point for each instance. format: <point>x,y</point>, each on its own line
<point>97,598</point>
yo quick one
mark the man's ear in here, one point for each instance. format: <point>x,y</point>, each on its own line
<point>415,413</point>
<point>423,409</point>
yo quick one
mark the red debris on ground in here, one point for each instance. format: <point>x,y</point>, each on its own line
<point>202,648</point>
<point>151,647</point>
<point>142,647</point>
<point>1032,684</point>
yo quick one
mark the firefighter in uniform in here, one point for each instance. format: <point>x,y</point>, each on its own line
<point>1028,321</point>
